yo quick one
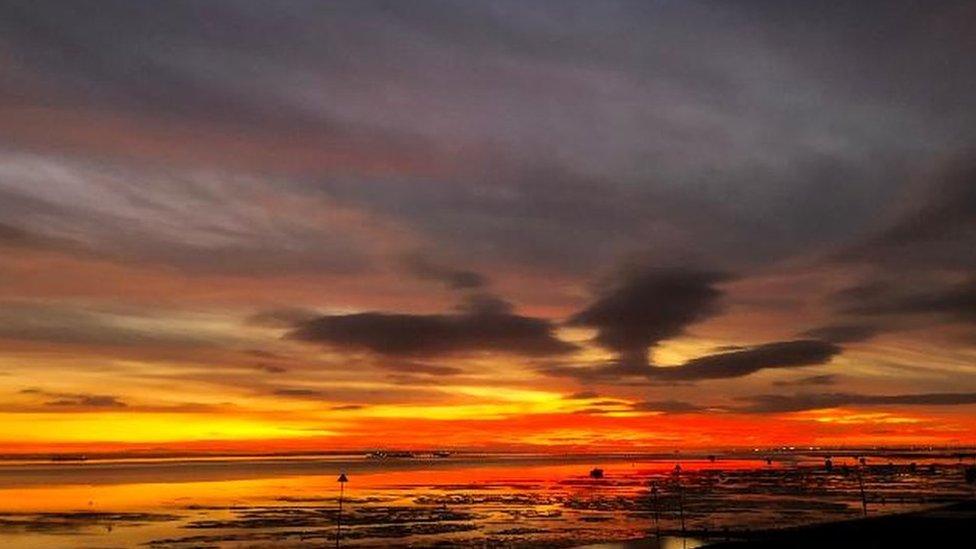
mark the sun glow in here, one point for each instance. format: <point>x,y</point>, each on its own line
<point>144,427</point>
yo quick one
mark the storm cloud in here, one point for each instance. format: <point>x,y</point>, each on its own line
<point>397,334</point>
<point>649,307</point>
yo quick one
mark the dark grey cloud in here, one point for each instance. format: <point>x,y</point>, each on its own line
<point>417,368</point>
<point>956,301</point>
<point>341,395</point>
<point>415,380</point>
<point>781,354</point>
<point>12,236</point>
<point>347,407</point>
<point>613,372</point>
<point>481,303</point>
<point>608,402</point>
<point>823,379</point>
<point>268,362</point>
<point>298,392</point>
<point>816,401</point>
<point>899,301</point>
<point>270,368</point>
<point>727,365</point>
<point>16,237</point>
<point>584,395</point>
<point>649,307</point>
<point>667,406</point>
<point>456,279</point>
<point>923,274</point>
<point>74,325</point>
<point>261,353</point>
<point>572,132</point>
<point>75,400</point>
<point>87,401</point>
<point>394,334</point>
<point>199,222</point>
<point>920,272</point>
<point>283,317</point>
<point>592,411</point>
<point>946,209</point>
<point>726,348</point>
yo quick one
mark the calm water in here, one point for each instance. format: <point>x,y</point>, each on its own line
<point>521,501</point>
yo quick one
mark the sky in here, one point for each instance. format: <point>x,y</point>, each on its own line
<point>526,225</point>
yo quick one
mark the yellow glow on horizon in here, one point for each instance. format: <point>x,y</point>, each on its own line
<point>505,393</point>
<point>846,417</point>
<point>145,427</point>
<point>461,411</point>
<point>679,351</point>
<point>574,436</point>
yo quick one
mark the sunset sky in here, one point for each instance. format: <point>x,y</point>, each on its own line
<point>567,225</point>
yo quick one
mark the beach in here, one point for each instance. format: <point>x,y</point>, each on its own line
<point>500,500</point>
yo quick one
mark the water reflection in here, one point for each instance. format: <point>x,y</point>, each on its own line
<point>663,542</point>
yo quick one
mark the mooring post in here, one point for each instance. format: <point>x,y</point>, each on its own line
<point>342,485</point>
<point>681,497</point>
<point>657,524</point>
<point>864,497</point>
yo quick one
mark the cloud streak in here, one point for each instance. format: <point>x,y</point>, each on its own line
<point>397,335</point>
<point>763,404</point>
<point>725,365</point>
<point>76,400</point>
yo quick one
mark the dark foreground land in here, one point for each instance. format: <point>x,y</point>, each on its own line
<point>950,526</point>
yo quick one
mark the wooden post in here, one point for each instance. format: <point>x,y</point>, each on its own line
<point>342,485</point>
<point>681,498</point>
<point>864,498</point>
<point>657,524</point>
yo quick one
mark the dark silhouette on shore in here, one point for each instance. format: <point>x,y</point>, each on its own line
<point>930,528</point>
<point>342,480</point>
<point>681,502</point>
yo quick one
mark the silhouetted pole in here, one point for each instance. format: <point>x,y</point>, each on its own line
<point>681,502</point>
<point>657,524</point>
<point>864,497</point>
<point>342,485</point>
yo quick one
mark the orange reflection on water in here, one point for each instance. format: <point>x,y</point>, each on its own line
<point>70,492</point>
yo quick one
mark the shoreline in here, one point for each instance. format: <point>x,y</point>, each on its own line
<point>913,529</point>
